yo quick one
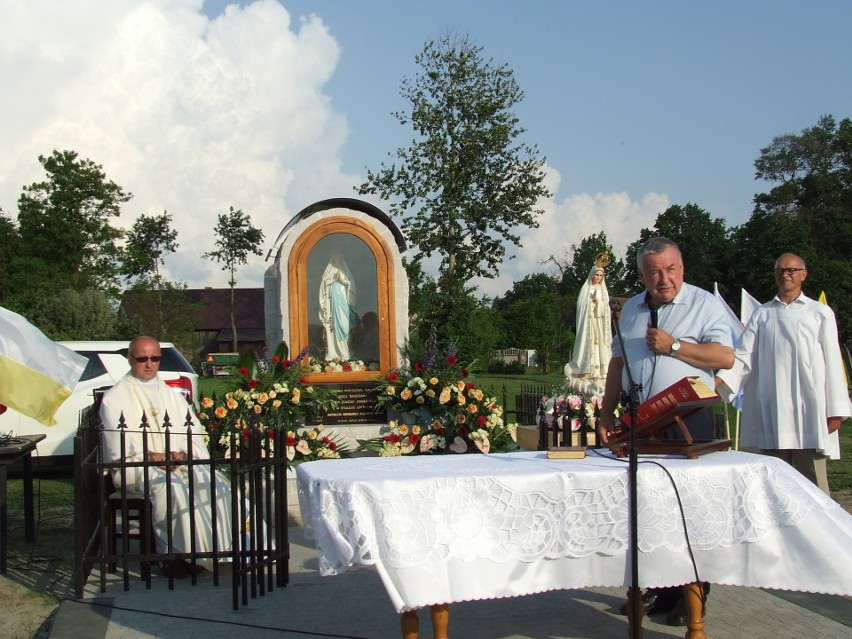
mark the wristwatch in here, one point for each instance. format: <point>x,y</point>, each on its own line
<point>675,348</point>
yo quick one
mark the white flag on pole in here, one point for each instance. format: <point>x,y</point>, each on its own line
<point>36,373</point>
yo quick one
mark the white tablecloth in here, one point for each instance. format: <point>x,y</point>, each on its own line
<point>448,528</point>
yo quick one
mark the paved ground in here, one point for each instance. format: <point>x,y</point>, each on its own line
<point>354,605</point>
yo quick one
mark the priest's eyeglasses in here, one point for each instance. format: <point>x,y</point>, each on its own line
<point>145,358</point>
<point>788,271</point>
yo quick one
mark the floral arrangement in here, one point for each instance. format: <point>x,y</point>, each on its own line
<point>338,365</point>
<point>433,409</point>
<point>574,411</point>
<point>269,399</point>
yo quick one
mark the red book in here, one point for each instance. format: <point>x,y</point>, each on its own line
<point>682,398</point>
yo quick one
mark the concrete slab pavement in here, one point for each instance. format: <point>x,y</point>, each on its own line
<point>354,605</point>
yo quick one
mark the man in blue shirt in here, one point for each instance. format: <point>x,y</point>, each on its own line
<point>690,337</point>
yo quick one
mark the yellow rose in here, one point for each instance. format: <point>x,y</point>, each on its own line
<point>405,394</point>
<point>220,412</point>
<point>232,403</point>
<point>445,395</point>
<point>207,402</point>
<point>258,409</point>
<point>460,419</point>
<point>430,393</point>
<point>433,381</point>
<point>421,399</point>
<point>262,398</point>
<point>460,385</point>
<point>471,408</point>
<point>390,390</point>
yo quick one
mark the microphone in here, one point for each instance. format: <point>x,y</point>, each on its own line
<point>654,307</point>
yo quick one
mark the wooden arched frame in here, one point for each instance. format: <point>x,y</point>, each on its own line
<point>297,274</point>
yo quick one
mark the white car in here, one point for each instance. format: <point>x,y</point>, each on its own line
<point>107,364</point>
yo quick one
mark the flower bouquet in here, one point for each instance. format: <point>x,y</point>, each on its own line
<point>270,400</point>
<point>433,409</point>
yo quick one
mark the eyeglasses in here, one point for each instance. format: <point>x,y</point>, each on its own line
<point>145,358</point>
<point>788,271</point>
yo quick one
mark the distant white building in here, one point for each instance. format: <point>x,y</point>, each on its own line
<point>526,356</point>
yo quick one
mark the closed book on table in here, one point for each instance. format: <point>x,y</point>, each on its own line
<point>566,452</point>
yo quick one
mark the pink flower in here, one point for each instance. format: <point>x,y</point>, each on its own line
<point>574,402</point>
<point>575,424</point>
<point>597,401</point>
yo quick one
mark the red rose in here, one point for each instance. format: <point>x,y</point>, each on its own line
<point>332,446</point>
<point>243,371</point>
<point>462,431</point>
<point>276,359</point>
<point>270,434</point>
<point>246,434</point>
<point>347,368</point>
<point>393,438</point>
<point>440,431</point>
<point>481,420</point>
<point>451,360</point>
<point>291,441</point>
<point>392,377</point>
<point>418,367</point>
<point>252,384</point>
<point>325,440</point>
<point>302,380</point>
<point>286,363</point>
<point>413,439</point>
<point>464,373</point>
<point>469,386</point>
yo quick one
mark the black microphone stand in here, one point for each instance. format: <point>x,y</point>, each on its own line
<point>634,597</point>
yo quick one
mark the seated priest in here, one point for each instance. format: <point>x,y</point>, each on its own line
<point>142,392</point>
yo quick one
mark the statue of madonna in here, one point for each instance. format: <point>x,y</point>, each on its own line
<point>593,342</point>
<point>336,300</point>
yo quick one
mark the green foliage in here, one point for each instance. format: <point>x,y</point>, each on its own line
<point>810,206</point>
<point>466,177</point>
<point>575,270</point>
<point>163,309</point>
<point>148,240</point>
<point>703,243</point>
<point>64,225</point>
<point>236,238</point>
<point>9,246</point>
<point>69,314</point>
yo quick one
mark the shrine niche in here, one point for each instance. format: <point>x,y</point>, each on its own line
<point>338,291</point>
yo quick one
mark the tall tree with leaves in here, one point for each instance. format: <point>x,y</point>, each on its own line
<point>466,181</point>
<point>9,246</point>
<point>812,177</point>
<point>703,243</point>
<point>236,238</point>
<point>159,307</point>
<point>67,238</point>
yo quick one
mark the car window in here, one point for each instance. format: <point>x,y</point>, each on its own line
<point>94,366</point>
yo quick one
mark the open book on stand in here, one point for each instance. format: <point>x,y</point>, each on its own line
<point>670,406</point>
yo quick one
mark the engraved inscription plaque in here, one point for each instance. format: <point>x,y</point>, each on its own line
<point>356,405</point>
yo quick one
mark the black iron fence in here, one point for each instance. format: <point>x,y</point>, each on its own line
<point>118,502</point>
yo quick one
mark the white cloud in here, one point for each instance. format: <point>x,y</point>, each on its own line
<point>568,221</point>
<point>190,115</point>
<point>194,115</point>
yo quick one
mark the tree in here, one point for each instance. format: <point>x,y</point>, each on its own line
<point>148,240</point>
<point>811,204</point>
<point>703,242</point>
<point>466,176</point>
<point>64,224</point>
<point>575,267</point>
<point>159,307</point>
<point>535,317</point>
<point>236,238</point>
<point>9,246</point>
<point>87,314</point>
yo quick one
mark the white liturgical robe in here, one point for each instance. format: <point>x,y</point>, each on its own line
<point>130,397</point>
<point>792,377</point>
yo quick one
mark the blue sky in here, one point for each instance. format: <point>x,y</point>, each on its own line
<point>270,107</point>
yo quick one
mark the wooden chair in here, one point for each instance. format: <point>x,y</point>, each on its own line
<point>119,524</point>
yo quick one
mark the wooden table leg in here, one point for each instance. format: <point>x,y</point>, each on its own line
<point>693,595</point>
<point>410,624</point>
<point>631,593</point>
<point>440,620</point>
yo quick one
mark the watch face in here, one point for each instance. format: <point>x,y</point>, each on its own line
<point>675,346</point>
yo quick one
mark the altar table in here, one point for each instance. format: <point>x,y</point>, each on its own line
<point>449,528</point>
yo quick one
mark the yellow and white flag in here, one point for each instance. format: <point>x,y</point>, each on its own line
<point>36,374</point>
